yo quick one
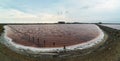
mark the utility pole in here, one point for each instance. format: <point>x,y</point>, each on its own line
<point>54,44</point>
<point>44,43</point>
<point>64,47</point>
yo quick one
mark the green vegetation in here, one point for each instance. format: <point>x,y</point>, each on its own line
<point>1,28</point>
<point>110,51</point>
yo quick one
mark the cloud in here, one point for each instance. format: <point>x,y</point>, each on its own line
<point>12,13</point>
<point>107,5</point>
<point>66,10</point>
<point>52,17</point>
<point>16,16</point>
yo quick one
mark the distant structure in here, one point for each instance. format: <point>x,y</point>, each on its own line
<point>61,22</point>
<point>99,22</point>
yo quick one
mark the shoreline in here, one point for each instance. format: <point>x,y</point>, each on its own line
<point>33,50</point>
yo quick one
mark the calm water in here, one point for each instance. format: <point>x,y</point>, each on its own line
<point>112,26</point>
<point>53,35</point>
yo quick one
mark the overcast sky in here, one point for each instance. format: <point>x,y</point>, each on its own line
<point>50,11</point>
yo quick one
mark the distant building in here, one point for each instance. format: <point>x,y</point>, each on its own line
<point>99,22</point>
<point>61,22</point>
